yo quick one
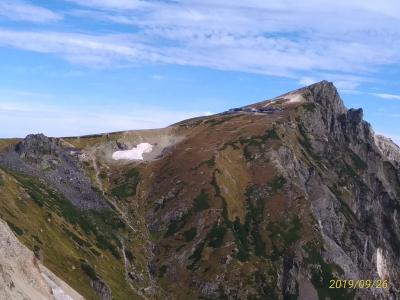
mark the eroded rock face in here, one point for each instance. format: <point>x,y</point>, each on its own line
<point>22,277</point>
<point>353,187</point>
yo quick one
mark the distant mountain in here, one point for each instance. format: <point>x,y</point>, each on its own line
<point>268,201</point>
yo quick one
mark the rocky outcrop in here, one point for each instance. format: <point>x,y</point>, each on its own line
<point>47,158</point>
<point>101,288</point>
<point>35,147</point>
<point>388,148</point>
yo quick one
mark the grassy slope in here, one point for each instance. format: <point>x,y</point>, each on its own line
<point>45,220</point>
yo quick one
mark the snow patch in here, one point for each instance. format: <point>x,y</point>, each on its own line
<point>135,153</point>
<point>381,264</point>
<point>289,98</point>
<point>294,98</point>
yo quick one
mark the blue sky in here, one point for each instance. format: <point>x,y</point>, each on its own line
<point>71,67</point>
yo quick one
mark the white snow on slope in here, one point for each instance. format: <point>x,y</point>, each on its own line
<point>381,264</point>
<point>288,98</point>
<point>135,153</point>
<point>294,98</point>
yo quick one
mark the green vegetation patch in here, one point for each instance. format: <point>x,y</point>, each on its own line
<point>177,224</point>
<point>344,207</point>
<point>322,273</point>
<point>270,134</point>
<point>15,228</point>
<point>266,283</point>
<point>214,239</point>
<point>276,184</point>
<point>45,197</point>
<point>231,144</point>
<point>241,236</point>
<point>196,256</point>
<point>190,234</point>
<point>216,236</point>
<point>162,271</point>
<point>81,242</point>
<point>284,235</point>
<point>89,270</point>
<point>210,162</point>
<point>248,237</point>
<point>201,202</point>
<point>77,245</point>
<point>257,142</point>
<point>310,106</point>
<point>254,216</point>
<point>305,140</point>
<point>105,244</point>
<point>358,162</point>
<point>348,171</point>
<point>129,255</point>
<point>125,186</point>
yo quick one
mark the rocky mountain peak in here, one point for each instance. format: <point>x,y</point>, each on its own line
<point>325,94</point>
<point>35,144</point>
<point>46,157</point>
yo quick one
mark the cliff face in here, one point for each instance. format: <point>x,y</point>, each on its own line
<point>269,201</point>
<point>353,189</point>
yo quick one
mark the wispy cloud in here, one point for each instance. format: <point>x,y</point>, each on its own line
<point>262,55</point>
<point>343,41</point>
<point>78,48</point>
<point>386,96</point>
<point>23,11</point>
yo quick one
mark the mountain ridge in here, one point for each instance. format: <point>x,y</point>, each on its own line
<point>270,200</point>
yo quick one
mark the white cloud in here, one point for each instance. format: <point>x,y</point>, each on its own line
<point>342,41</point>
<point>386,96</point>
<point>79,48</point>
<point>22,11</point>
<point>262,55</point>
